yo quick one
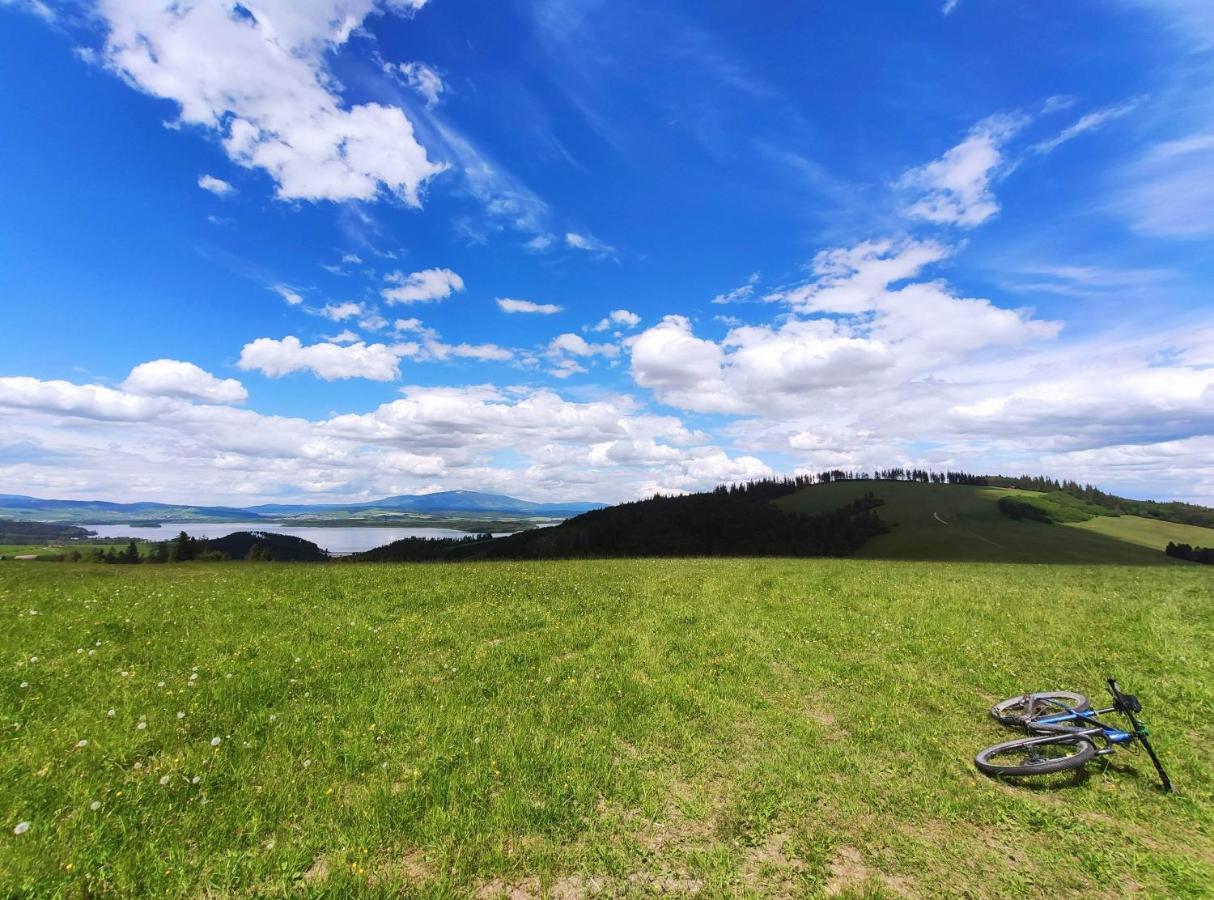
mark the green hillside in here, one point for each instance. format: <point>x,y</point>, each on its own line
<point>963,523</point>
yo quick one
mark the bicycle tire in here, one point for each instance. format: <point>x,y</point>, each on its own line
<point>1083,752</point>
<point>1012,711</point>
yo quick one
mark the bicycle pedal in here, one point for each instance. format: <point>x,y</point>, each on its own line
<point>1105,751</point>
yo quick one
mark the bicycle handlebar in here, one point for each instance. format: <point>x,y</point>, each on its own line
<point>1128,705</point>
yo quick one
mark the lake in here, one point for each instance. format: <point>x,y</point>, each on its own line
<point>338,541</point>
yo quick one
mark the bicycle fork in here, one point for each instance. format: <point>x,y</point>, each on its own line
<point>1140,732</point>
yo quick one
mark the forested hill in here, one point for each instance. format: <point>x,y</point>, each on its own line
<point>16,532</point>
<point>730,521</point>
<point>893,513</point>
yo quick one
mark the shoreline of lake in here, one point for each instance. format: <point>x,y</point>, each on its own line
<point>337,540</point>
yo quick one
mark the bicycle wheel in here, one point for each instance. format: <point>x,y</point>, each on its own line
<point>1019,711</point>
<point>1035,756</point>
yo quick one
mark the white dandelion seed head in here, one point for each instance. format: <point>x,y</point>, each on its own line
<point>165,779</point>
<point>180,714</point>
<point>95,805</point>
<point>25,684</point>
<point>82,742</point>
<point>195,779</point>
<point>21,828</point>
<point>109,714</point>
<point>159,684</point>
<point>142,725</point>
<point>306,763</point>
<point>216,741</point>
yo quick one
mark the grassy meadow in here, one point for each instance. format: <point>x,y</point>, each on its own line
<point>623,728</point>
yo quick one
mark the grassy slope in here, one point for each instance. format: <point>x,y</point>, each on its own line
<point>977,531</point>
<point>1149,532</point>
<point>742,727</point>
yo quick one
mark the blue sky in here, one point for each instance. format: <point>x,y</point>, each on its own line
<point>593,249</point>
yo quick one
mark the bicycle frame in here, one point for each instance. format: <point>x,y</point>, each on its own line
<point>1095,728</point>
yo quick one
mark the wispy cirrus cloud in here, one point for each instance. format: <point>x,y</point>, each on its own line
<point>1168,192</point>
<point>289,294</point>
<point>34,7</point>
<point>742,292</point>
<point>423,79</point>
<point>1088,122</point>
<point>588,243</point>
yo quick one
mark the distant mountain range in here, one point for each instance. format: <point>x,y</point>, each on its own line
<point>442,504</point>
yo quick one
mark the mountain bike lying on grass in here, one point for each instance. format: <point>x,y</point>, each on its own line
<point>1067,730</point>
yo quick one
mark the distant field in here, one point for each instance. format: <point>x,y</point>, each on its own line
<point>749,728</point>
<point>1148,532</point>
<point>56,550</point>
<point>963,523</point>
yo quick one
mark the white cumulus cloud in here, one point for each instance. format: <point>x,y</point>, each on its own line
<point>216,186</point>
<point>576,345</point>
<point>256,74</point>
<point>956,189</point>
<point>862,330</point>
<point>339,312</point>
<point>622,318</point>
<point>329,361</point>
<point>174,378</point>
<point>86,400</point>
<point>505,304</point>
<point>422,287</point>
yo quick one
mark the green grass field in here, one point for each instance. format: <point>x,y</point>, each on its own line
<point>963,523</point>
<point>724,727</point>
